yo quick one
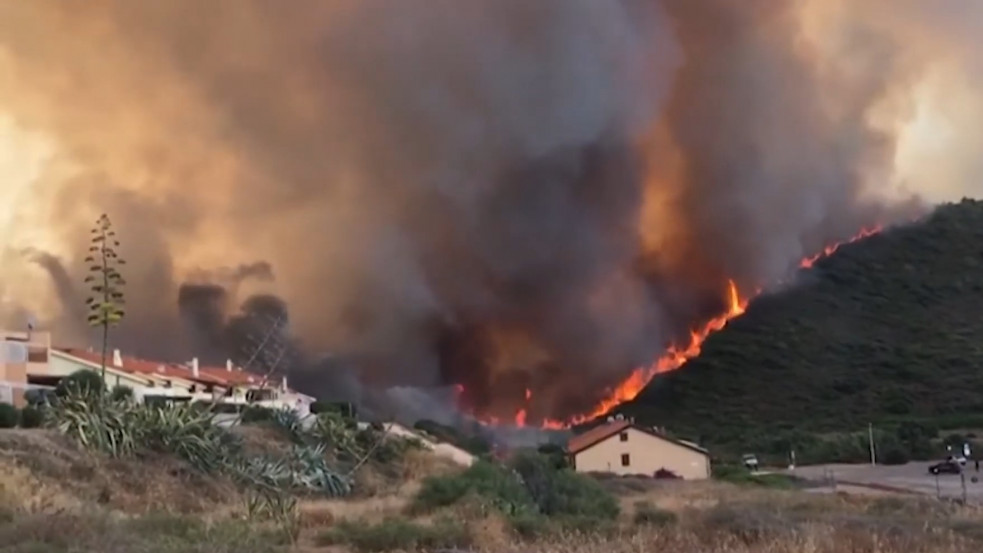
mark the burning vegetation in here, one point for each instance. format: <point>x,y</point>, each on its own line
<point>543,203</point>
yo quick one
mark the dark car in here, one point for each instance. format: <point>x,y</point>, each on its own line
<point>945,467</point>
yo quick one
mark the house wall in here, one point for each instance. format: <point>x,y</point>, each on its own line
<point>59,365</point>
<point>646,455</point>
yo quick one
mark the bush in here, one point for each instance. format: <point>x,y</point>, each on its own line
<point>121,393</point>
<point>31,417</point>
<point>83,382</point>
<point>40,396</point>
<point>529,525</point>
<point>344,408</point>
<point>255,413</point>
<point>573,494</point>
<point>9,416</point>
<point>532,488</point>
<point>650,515</point>
<point>398,533</point>
<point>484,479</point>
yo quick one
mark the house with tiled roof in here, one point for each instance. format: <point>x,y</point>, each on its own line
<point>156,380</point>
<point>620,446</point>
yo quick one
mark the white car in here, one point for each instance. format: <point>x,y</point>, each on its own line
<point>961,459</point>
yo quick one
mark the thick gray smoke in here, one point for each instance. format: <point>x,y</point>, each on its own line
<point>503,194</point>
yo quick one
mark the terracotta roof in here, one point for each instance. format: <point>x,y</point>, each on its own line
<point>134,365</point>
<point>597,434</point>
<point>234,376</point>
<point>600,433</point>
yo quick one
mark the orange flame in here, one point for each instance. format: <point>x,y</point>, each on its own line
<point>808,262</point>
<point>520,417</point>
<point>676,355</point>
<point>674,358</point>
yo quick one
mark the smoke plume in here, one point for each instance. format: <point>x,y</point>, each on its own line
<point>528,199</point>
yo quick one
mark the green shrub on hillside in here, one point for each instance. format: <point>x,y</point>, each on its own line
<point>31,417</point>
<point>9,416</point>
<point>559,492</point>
<point>82,382</point>
<point>121,393</point>
<point>484,479</point>
<point>254,413</point>
<point>534,496</point>
<point>886,329</point>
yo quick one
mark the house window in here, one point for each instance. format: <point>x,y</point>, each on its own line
<point>35,355</point>
<point>624,436</point>
<point>625,460</point>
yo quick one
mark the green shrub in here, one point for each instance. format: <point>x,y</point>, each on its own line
<point>9,415</point>
<point>31,417</point>
<point>397,533</point>
<point>649,515</point>
<point>494,483</point>
<point>529,525</point>
<point>344,408</point>
<point>83,382</point>
<point>531,486</point>
<point>574,494</point>
<point>121,393</point>
<point>254,413</point>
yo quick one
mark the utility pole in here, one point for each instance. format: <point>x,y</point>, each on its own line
<point>870,437</point>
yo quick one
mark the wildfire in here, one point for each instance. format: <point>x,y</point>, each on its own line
<point>808,262</point>
<point>676,355</point>
<point>674,358</point>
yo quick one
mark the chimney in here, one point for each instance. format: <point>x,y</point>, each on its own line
<point>228,365</point>
<point>194,367</point>
<point>117,359</point>
<point>284,384</point>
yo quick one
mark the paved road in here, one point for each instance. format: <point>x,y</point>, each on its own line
<point>913,477</point>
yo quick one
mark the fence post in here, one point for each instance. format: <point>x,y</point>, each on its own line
<point>938,490</point>
<point>962,477</point>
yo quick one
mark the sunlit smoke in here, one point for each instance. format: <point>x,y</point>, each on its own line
<point>531,200</point>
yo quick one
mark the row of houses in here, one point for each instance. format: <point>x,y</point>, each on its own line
<point>28,360</point>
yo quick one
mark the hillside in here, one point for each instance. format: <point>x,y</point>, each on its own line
<point>887,329</point>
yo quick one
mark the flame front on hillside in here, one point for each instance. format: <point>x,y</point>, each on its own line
<point>675,356</point>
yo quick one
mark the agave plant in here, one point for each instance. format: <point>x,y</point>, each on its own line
<point>124,428</point>
<point>100,425</point>
<point>290,423</point>
<point>332,430</point>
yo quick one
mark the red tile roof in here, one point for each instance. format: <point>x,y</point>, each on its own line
<point>597,434</point>
<point>600,433</point>
<point>134,365</point>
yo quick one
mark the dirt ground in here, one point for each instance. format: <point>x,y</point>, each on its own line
<point>911,477</point>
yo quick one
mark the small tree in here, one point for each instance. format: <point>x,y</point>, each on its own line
<point>106,283</point>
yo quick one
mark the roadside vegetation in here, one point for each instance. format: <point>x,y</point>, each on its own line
<point>124,478</point>
<point>885,331</point>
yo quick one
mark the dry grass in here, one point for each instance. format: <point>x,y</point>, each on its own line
<point>53,498</point>
<point>714,517</point>
<point>43,468</point>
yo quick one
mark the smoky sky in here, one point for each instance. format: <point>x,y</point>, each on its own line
<point>503,194</point>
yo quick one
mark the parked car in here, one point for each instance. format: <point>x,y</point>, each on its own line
<point>961,459</point>
<point>948,466</point>
<point>750,461</point>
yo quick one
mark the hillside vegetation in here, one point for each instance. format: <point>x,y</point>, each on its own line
<point>888,330</point>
